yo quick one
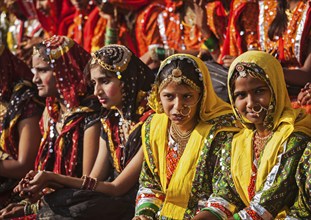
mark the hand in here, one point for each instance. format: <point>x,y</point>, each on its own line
<point>12,210</point>
<point>304,97</point>
<point>146,58</point>
<point>227,59</point>
<point>201,17</point>
<point>32,185</point>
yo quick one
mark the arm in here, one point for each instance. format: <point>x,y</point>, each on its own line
<point>303,72</point>
<point>122,184</point>
<point>29,141</point>
<point>90,147</point>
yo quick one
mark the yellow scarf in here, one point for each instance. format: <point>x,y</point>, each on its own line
<point>179,189</point>
<point>285,121</point>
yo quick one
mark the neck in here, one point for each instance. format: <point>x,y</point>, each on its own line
<point>263,133</point>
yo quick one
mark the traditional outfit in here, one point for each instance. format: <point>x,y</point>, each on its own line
<point>172,185</point>
<point>96,30</point>
<point>18,101</point>
<point>302,206</point>
<point>242,28</point>
<point>83,204</point>
<point>170,26</point>
<point>24,31</point>
<point>261,187</point>
<point>55,21</point>
<point>291,49</point>
<point>62,152</point>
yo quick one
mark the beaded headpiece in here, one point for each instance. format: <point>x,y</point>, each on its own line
<point>120,56</point>
<point>244,69</point>
<point>178,77</point>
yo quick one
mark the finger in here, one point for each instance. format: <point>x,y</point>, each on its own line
<point>305,98</point>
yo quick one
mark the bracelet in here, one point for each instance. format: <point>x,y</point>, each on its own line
<point>111,36</point>
<point>27,209</point>
<point>88,183</point>
<point>213,212</point>
<point>236,216</point>
<point>211,43</point>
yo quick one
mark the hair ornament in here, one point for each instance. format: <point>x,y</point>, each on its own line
<point>178,78</point>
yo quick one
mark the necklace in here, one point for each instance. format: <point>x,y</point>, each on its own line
<point>124,129</point>
<point>260,143</point>
<point>180,138</point>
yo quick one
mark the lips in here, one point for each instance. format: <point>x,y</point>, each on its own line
<point>178,118</point>
<point>102,100</point>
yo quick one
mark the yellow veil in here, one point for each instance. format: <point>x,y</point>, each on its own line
<point>284,119</point>
<point>179,189</point>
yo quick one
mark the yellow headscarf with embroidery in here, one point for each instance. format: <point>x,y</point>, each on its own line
<point>179,189</point>
<point>284,120</point>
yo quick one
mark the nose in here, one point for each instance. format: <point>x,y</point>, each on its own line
<point>251,101</point>
<point>178,104</point>
<point>97,90</point>
<point>35,78</point>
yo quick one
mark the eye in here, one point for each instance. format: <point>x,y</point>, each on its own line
<point>188,96</point>
<point>239,95</point>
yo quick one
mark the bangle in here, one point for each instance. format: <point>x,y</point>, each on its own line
<point>213,212</point>
<point>211,43</point>
<point>88,183</point>
<point>236,216</point>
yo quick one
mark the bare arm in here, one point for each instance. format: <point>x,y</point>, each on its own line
<point>29,141</point>
<point>122,184</point>
<point>90,147</point>
<point>300,77</point>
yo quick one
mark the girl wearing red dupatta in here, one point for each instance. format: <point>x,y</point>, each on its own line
<point>72,118</point>
<point>20,112</point>
<point>121,83</point>
<point>53,15</point>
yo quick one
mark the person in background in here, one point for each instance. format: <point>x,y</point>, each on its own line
<point>285,32</point>
<point>20,113</point>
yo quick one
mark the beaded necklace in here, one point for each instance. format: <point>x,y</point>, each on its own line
<point>260,143</point>
<point>180,138</point>
<point>124,130</point>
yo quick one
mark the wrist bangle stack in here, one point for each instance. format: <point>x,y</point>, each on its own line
<point>88,183</point>
<point>111,36</point>
<point>158,52</point>
<point>211,43</point>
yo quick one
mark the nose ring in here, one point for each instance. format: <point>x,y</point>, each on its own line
<point>257,109</point>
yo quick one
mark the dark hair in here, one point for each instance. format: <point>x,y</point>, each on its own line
<point>120,61</point>
<point>279,24</point>
<point>187,68</point>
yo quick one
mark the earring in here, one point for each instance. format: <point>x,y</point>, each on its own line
<point>160,109</point>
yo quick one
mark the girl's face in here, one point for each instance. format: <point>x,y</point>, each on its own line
<point>180,103</point>
<point>43,77</point>
<point>249,96</point>
<point>108,89</point>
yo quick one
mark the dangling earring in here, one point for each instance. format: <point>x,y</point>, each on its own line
<point>160,109</point>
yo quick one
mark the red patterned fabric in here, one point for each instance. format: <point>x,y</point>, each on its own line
<point>68,60</point>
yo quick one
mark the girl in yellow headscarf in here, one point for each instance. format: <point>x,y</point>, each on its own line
<point>181,140</point>
<point>257,178</point>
